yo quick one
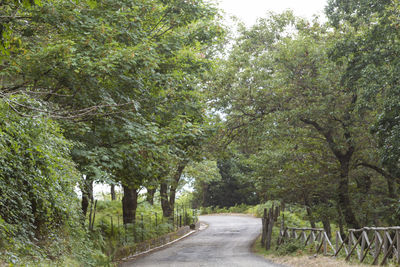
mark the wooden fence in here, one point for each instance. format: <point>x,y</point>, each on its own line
<point>269,218</point>
<point>379,243</point>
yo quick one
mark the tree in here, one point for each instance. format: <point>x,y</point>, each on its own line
<point>188,139</point>
<point>231,190</point>
<point>200,175</point>
<point>369,47</point>
<point>279,81</point>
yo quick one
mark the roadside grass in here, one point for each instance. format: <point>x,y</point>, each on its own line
<point>117,240</point>
<point>294,254</point>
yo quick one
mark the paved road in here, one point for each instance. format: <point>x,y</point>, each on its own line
<point>226,242</point>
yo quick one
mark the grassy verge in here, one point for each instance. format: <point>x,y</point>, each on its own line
<point>295,254</point>
<point>117,240</point>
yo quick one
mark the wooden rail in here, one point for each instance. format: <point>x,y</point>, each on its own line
<point>381,243</point>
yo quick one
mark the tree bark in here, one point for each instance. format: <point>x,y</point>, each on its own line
<point>168,200</point>
<point>87,194</point>
<point>204,187</point>
<point>309,213</point>
<point>150,195</point>
<point>113,195</point>
<point>167,211</point>
<point>327,226</point>
<point>343,194</point>
<point>129,204</point>
<point>340,221</point>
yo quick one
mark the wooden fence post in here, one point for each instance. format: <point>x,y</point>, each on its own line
<point>350,242</point>
<point>389,250</point>
<point>263,234</point>
<point>270,226</point>
<point>398,246</point>
<point>385,243</point>
<point>338,238</point>
<point>362,247</point>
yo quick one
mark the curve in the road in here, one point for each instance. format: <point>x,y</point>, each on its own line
<point>226,242</point>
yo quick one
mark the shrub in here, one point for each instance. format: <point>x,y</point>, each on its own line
<point>289,247</point>
<point>39,218</point>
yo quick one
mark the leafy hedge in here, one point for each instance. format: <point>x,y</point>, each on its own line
<point>38,204</point>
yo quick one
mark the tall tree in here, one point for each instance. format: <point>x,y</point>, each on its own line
<point>280,81</point>
<point>369,46</point>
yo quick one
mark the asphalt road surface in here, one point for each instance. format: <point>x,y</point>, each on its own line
<point>226,242</point>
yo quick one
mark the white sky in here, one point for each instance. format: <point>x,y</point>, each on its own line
<point>249,10</point>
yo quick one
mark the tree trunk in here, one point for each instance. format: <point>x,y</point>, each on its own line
<point>344,158</point>
<point>129,204</point>
<point>327,226</point>
<point>340,221</point>
<point>167,211</point>
<point>309,213</point>
<point>168,203</point>
<point>87,194</point>
<point>204,187</point>
<point>343,194</point>
<point>150,195</point>
<point>113,195</point>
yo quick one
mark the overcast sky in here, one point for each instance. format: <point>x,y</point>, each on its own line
<point>249,10</point>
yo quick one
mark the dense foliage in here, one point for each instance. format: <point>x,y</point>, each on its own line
<point>38,204</point>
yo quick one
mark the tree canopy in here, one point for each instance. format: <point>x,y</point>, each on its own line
<point>152,94</point>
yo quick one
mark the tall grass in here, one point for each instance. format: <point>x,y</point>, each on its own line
<point>112,235</point>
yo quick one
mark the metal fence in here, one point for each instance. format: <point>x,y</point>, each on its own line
<point>147,225</point>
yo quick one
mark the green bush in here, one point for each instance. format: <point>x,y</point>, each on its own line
<point>39,209</point>
<point>206,210</point>
<point>290,246</point>
<point>241,208</point>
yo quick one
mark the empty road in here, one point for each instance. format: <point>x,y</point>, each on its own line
<point>226,242</point>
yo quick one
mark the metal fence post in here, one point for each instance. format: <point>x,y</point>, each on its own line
<point>142,227</point>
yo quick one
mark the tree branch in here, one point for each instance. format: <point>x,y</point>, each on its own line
<point>379,170</point>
